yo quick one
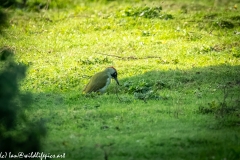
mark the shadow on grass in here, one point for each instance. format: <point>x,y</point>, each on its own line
<point>195,78</point>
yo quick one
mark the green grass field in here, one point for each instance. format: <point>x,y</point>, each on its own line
<point>178,65</point>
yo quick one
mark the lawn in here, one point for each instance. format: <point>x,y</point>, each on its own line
<point>178,64</point>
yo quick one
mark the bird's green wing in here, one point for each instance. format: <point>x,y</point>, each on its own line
<point>97,82</point>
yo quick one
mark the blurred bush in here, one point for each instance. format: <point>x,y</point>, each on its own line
<point>17,132</point>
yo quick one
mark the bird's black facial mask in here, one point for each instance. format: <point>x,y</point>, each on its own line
<point>114,75</point>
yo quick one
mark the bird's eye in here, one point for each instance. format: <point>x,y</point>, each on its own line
<point>114,74</point>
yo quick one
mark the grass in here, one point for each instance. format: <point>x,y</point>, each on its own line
<point>178,68</point>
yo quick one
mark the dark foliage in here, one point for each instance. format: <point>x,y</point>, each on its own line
<point>10,3</point>
<point>7,3</point>
<point>3,20</point>
<point>17,133</point>
<point>147,12</point>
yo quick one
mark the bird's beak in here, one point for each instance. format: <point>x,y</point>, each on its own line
<point>116,80</point>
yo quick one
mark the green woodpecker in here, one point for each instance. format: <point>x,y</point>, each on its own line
<point>100,81</point>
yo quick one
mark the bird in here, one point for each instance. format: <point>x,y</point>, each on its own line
<point>100,81</point>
